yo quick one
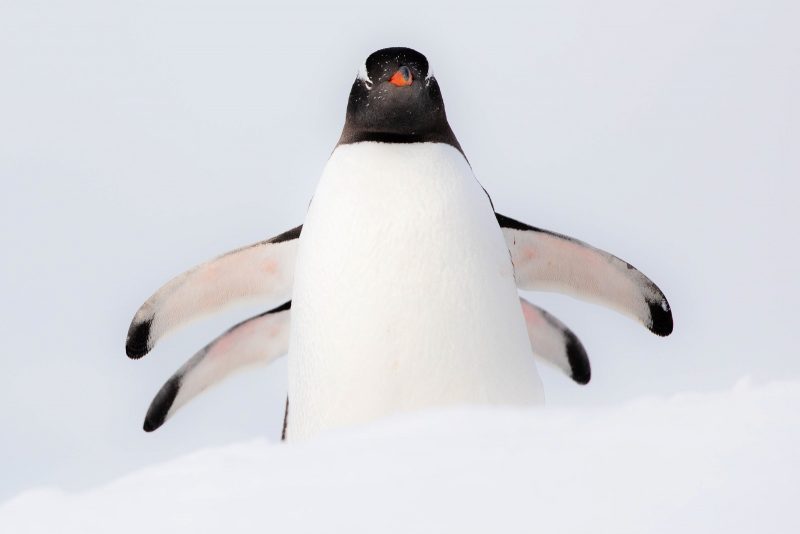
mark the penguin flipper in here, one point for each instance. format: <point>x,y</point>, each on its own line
<point>554,343</point>
<point>263,269</point>
<point>258,340</point>
<point>548,261</point>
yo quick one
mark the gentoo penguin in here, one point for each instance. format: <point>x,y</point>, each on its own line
<point>402,284</point>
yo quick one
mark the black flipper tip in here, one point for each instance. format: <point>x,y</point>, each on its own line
<point>137,344</point>
<point>149,426</point>
<point>578,360</point>
<point>157,413</point>
<point>660,318</point>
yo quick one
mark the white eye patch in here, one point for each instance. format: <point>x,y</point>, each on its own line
<point>363,75</point>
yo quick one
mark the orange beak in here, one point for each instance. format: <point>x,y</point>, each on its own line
<point>402,78</point>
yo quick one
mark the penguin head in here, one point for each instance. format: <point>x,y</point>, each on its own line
<point>395,98</point>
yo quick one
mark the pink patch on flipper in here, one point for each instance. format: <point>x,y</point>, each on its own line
<point>270,267</point>
<point>273,331</point>
<point>209,272</point>
<point>532,316</point>
<point>230,341</point>
<point>528,253</point>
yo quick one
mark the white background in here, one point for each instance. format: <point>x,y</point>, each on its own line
<point>139,139</point>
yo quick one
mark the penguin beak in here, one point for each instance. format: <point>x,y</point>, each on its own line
<point>402,78</point>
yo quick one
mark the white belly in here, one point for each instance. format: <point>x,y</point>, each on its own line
<point>404,295</point>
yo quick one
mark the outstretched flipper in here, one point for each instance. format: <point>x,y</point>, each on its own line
<point>260,339</point>
<point>263,269</point>
<point>552,341</point>
<point>548,261</point>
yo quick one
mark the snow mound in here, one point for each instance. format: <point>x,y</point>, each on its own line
<point>722,462</point>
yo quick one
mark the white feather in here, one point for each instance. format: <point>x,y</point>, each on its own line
<point>404,293</point>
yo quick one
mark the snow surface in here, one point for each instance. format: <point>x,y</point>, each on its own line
<point>712,462</point>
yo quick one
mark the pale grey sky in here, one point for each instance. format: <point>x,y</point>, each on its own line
<point>139,139</point>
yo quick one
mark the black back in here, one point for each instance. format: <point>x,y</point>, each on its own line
<point>381,111</point>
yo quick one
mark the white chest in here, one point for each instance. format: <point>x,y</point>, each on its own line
<point>404,293</point>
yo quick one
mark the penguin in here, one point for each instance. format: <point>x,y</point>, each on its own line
<point>400,289</point>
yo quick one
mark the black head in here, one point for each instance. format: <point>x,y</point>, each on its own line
<point>396,99</point>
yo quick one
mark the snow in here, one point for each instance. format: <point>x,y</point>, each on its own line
<point>712,462</point>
